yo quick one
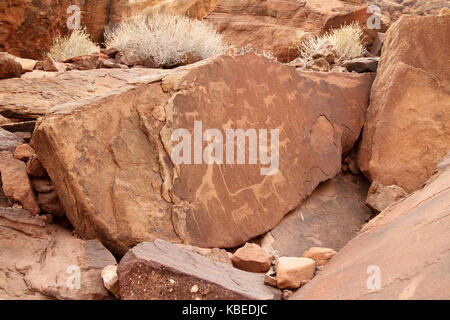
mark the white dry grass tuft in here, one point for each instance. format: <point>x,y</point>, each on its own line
<point>78,43</point>
<point>166,38</point>
<point>346,41</point>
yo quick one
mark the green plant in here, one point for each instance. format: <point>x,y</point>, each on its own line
<point>346,41</point>
<point>78,43</point>
<point>166,38</point>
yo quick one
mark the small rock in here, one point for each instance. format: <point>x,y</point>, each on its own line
<point>111,280</point>
<point>35,168</point>
<point>377,44</point>
<point>28,65</point>
<point>320,64</point>
<point>194,288</point>
<point>298,63</point>
<point>320,255</point>
<point>149,62</point>
<point>252,258</point>
<point>42,185</point>
<point>361,65</point>
<point>380,197</point>
<point>16,183</point>
<point>291,271</point>
<point>110,52</point>
<point>127,57</point>
<point>444,12</point>
<point>87,62</point>
<point>286,294</point>
<point>23,152</point>
<point>111,63</point>
<point>50,65</point>
<point>9,141</point>
<point>215,254</point>
<point>270,278</point>
<point>9,67</point>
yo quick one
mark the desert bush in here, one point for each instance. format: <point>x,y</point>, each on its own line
<point>166,38</point>
<point>346,41</point>
<point>78,43</point>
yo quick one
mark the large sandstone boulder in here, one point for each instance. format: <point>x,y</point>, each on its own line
<point>278,26</point>
<point>42,261</point>
<point>403,253</point>
<point>408,122</point>
<point>28,26</point>
<point>35,93</point>
<point>161,270</point>
<point>113,159</point>
<point>330,217</point>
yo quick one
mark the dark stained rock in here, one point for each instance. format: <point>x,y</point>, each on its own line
<point>161,270</point>
<point>330,217</point>
<point>364,64</point>
<point>9,67</point>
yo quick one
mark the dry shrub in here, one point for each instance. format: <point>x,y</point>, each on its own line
<point>166,38</point>
<point>346,41</point>
<point>78,43</point>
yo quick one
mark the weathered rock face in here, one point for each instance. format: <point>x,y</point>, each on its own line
<point>39,261</point>
<point>380,197</point>
<point>394,9</point>
<point>34,94</point>
<point>407,245</point>
<point>330,217</point>
<point>408,122</point>
<point>198,9</point>
<point>15,182</point>
<point>9,68</point>
<point>279,26</point>
<point>161,270</point>
<point>113,163</point>
<point>28,27</point>
<point>9,141</point>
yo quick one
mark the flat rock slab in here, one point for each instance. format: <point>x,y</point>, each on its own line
<point>403,253</point>
<point>330,217</point>
<point>42,261</point>
<point>35,93</point>
<point>161,270</point>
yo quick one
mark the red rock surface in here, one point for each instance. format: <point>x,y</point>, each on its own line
<point>120,184</point>
<point>279,26</point>
<point>407,243</point>
<point>28,27</point>
<point>37,260</point>
<point>408,122</point>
